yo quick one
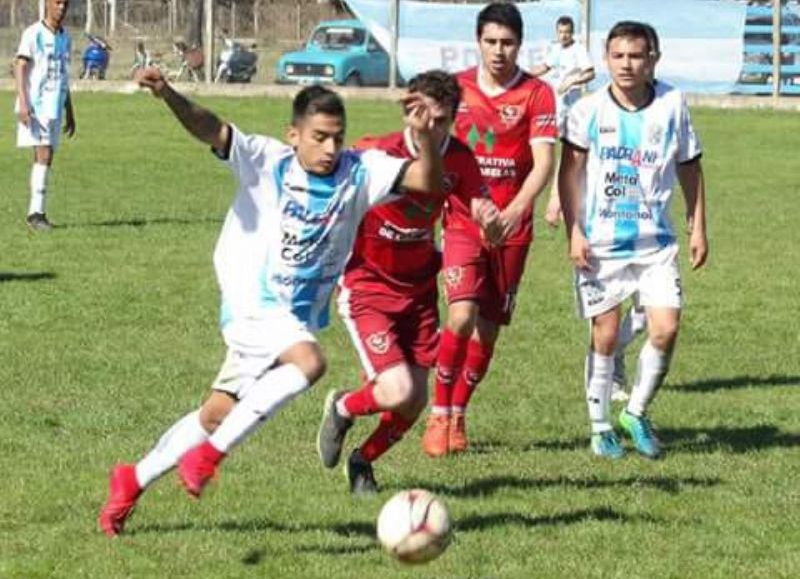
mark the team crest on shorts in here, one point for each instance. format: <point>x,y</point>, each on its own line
<point>378,342</point>
<point>453,276</point>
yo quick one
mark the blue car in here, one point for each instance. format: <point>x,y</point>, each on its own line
<point>340,52</point>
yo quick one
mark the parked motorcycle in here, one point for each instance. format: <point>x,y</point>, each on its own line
<point>236,63</point>
<point>95,58</point>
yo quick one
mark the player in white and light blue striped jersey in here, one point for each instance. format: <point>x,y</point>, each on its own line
<point>624,147</point>
<point>284,243</point>
<point>42,77</point>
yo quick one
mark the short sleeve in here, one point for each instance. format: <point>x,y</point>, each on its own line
<point>576,131</point>
<point>247,155</point>
<point>551,57</point>
<point>542,115</point>
<point>584,62</point>
<point>689,147</point>
<point>27,44</point>
<point>383,174</point>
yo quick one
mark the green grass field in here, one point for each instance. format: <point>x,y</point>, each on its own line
<point>108,333</point>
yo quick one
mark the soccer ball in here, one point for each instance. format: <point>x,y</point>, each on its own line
<point>414,526</point>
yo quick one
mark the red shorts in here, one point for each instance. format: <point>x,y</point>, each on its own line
<point>489,276</point>
<point>465,263</point>
<point>507,264</point>
<point>388,329</point>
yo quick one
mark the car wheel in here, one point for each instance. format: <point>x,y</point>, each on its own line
<point>353,80</point>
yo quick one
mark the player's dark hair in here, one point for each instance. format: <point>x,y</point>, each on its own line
<point>632,29</point>
<point>439,85</point>
<point>317,99</point>
<point>566,21</point>
<point>653,38</point>
<point>502,14</point>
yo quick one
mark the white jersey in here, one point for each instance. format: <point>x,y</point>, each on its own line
<point>563,63</point>
<point>48,56</point>
<point>631,169</point>
<point>288,234</point>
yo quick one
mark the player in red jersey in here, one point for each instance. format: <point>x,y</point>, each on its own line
<point>388,297</point>
<point>508,118</point>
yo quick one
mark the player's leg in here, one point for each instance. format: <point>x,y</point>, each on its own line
<point>41,139</point>
<point>129,481</point>
<point>393,424</point>
<point>373,330</point>
<point>660,293</point>
<point>505,267</point>
<point>633,323</point>
<point>598,371</point>
<point>600,291</point>
<point>297,367</point>
<point>654,361</point>
<point>462,317</point>
<point>465,275</point>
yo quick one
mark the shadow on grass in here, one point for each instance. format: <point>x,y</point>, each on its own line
<point>735,382</point>
<point>603,514</point>
<point>349,529</point>
<point>33,276</point>
<point>491,485</point>
<point>703,440</point>
<point>734,440</point>
<point>142,222</point>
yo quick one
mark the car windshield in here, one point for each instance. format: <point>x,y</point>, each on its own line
<point>338,37</point>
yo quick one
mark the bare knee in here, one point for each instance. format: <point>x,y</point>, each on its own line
<point>308,357</point>
<point>215,409</point>
<point>461,317</point>
<point>663,336</point>
<point>605,328</point>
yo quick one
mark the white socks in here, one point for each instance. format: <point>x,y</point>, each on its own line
<point>599,370</point>
<point>653,366</point>
<point>184,435</point>
<point>38,188</point>
<point>268,395</point>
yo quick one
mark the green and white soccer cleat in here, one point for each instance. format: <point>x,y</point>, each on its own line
<point>640,429</point>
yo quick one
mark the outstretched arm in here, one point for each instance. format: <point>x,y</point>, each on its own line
<point>690,176</point>
<point>199,122</point>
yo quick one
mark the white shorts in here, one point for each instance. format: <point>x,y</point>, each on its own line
<point>39,134</point>
<point>655,280</point>
<point>254,344</point>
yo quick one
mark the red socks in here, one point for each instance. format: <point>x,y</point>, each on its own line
<point>362,401</point>
<point>475,368</point>
<point>452,352</point>
<point>390,430</point>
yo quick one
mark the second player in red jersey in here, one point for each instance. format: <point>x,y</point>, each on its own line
<point>388,297</point>
<point>508,118</point>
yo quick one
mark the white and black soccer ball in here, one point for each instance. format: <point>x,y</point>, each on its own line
<point>414,526</point>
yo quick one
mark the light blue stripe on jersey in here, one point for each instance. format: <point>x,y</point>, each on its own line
<point>626,225</point>
<point>225,314</point>
<point>664,235</point>
<point>594,143</point>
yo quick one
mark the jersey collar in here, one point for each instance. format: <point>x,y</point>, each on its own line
<point>497,91</point>
<point>650,98</point>
<point>412,148</point>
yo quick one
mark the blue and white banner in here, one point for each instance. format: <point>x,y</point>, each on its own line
<point>701,40</point>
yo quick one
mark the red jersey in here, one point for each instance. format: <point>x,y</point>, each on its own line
<point>394,250</point>
<point>500,129</point>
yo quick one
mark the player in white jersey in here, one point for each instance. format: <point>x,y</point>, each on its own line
<point>568,69</point>
<point>284,243</point>
<point>42,78</point>
<point>624,146</point>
